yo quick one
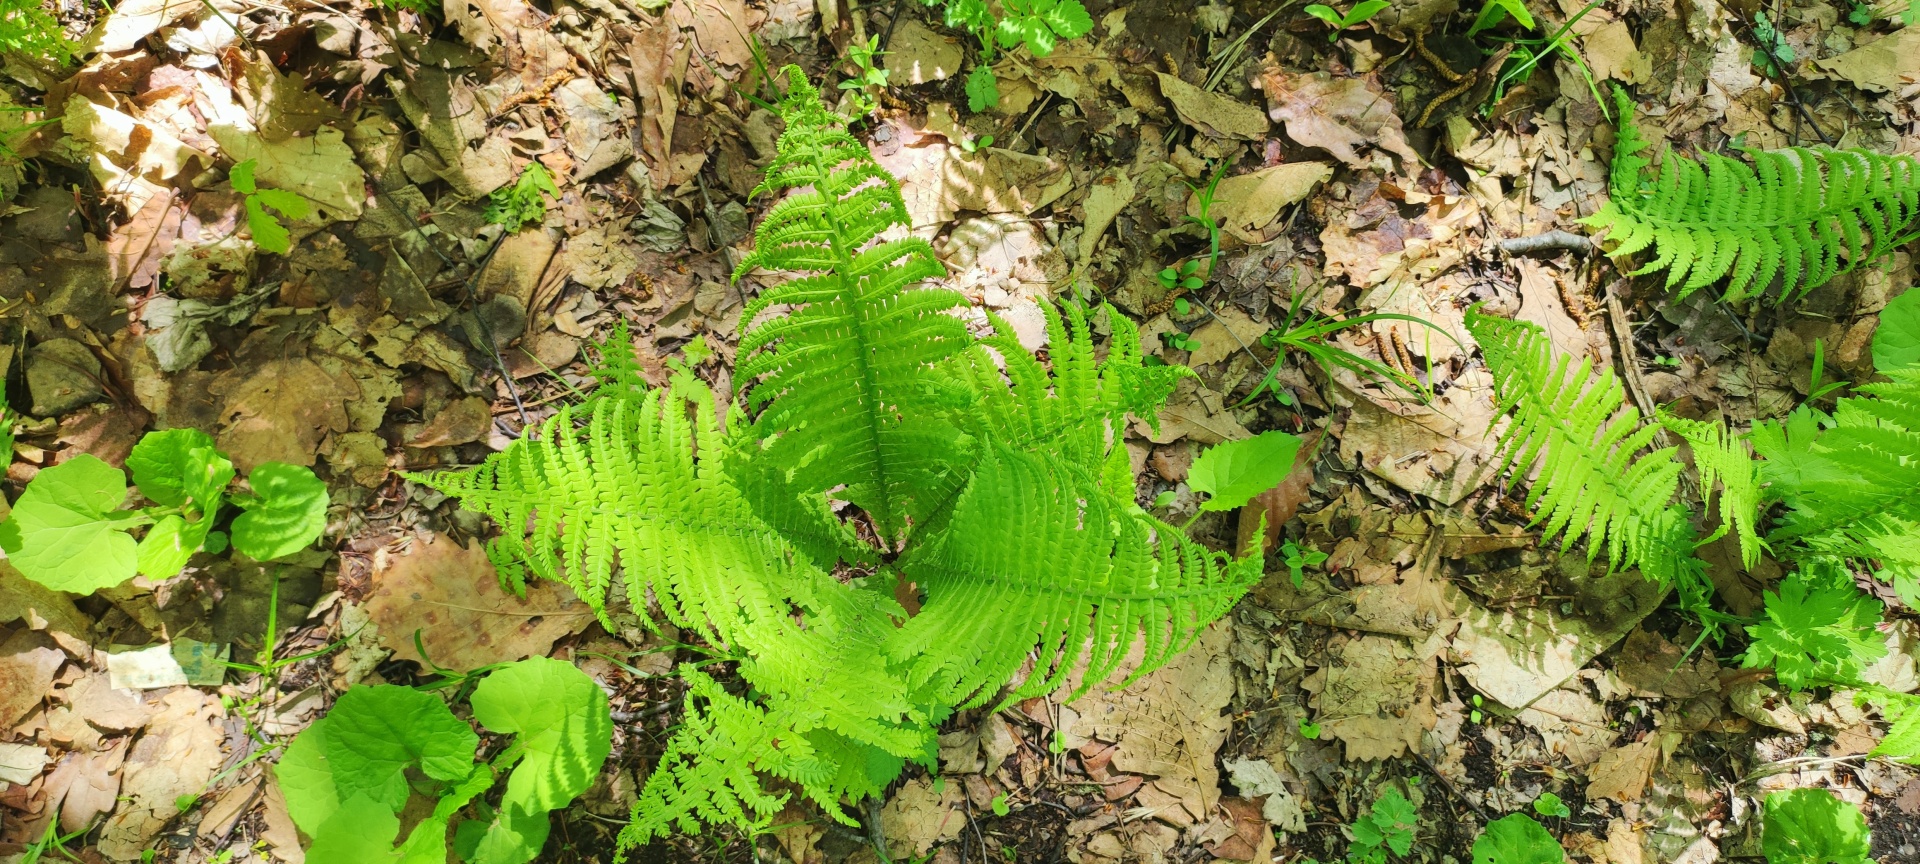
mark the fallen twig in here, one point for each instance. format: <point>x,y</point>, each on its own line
<point>1552,241</point>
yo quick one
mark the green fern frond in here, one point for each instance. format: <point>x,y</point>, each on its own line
<point>1721,456</point>
<point>1576,428</point>
<point>1803,215</point>
<point>1861,470</point>
<point>614,485</point>
<point>848,382</point>
<point>711,771</point>
<point>1065,565</point>
<point>1902,711</point>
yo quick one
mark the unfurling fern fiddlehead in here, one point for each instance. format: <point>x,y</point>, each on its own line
<point>1803,214</point>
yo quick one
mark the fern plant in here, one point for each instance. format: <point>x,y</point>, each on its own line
<point>1801,215</point>
<point>1850,493</point>
<point>880,440</point>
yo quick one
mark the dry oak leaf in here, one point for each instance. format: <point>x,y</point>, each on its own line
<point>1211,113</point>
<point>1622,773</point>
<point>28,660</point>
<point>1338,115</point>
<point>177,756</point>
<point>281,411</point>
<point>916,817</point>
<point>1250,202</point>
<point>85,785</point>
<point>452,597</point>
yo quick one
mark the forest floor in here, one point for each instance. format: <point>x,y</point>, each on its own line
<point>1440,649</point>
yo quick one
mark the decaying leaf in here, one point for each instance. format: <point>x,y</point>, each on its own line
<point>1338,115</point>
<point>451,597</point>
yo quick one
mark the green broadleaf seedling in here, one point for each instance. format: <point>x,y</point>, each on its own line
<point>1000,805</point>
<point>1812,826</point>
<point>346,777</point>
<point>1388,824</point>
<point>1497,11</point>
<point>983,89</point>
<point>1309,730</point>
<point>267,231</point>
<point>1550,805</point>
<point>1517,839</point>
<point>1233,472</point>
<point>524,203</point>
<point>1340,22</point>
<point>68,531</point>
<point>1298,559</point>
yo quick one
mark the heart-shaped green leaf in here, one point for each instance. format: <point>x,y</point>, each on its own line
<point>290,510</point>
<point>67,531</point>
<point>180,467</point>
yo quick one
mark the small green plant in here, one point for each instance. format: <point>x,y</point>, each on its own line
<point>863,89</point>
<point>1309,730</point>
<point>26,28</point>
<point>975,145</point>
<point>9,425</point>
<point>1517,839</point>
<point>1387,825</point>
<point>1180,341</point>
<point>349,776</point>
<point>1181,278</point>
<point>875,433</point>
<point>1000,805</point>
<point>524,203</point>
<point>1361,13</point>
<point>69,530</point>
<point>983,89</point>
<point>1038,24</point>
<point>1550,805</point>
<point>1803,215</point>
<point>1233,472</point>
<point>1812,826</point>
<point>1298,559</point>
<point>1473,715</point>
<point>1528,52</point>
<point>1774,54</point>
<point>267,231</point>
<point>1497,11</point>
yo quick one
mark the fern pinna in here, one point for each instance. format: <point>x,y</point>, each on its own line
<point>1802,215</point>
<point>996,484</point>
<point>1848,481</point>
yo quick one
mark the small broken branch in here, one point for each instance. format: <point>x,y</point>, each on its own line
<point>1552,241</point>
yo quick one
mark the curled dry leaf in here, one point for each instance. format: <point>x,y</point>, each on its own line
<point>1338,115</point>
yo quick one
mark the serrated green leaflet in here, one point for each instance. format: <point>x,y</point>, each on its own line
<point>178,466</point>
<point>1517,839</point>
<point>374,733</point>
<point>1896,342</point>
<point>561,718</point>
<point>1235,471</point>
<point>1811,826</point>
<point>290,510</point>
<point>66,531</point>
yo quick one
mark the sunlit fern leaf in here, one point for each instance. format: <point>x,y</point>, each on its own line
<point>1860,470</point>
<point>1576,428</point>
<point>1902,741</point>
<point>848,383</point>
<point>1802,215</point>
<point>1077,408</point>
<point>1721,456</point>
<point>712,770</point>
<point>613,485</point>
<point>1066,566</point>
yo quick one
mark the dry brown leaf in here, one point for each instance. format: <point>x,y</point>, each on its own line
<point>281,411</point>
<point>1572,724</point>
<point>1168,726</point>
<point>452,597</point>
<point>28,660</point>
<point>1443,450</point>
<point>281,835</point>
<point>282,106</point>
<point>1888,63</point>
<point>86,785</point>
<point>1338,115</point>
<point>177,756</point>
<point>1245,204</point>
<point>916,817</point>
<point>1376,694</point>
<point>42,608</point>
<point>1516,655</point>
<point>458,422</point>
<point>1227,332</point>
<point>1622,773</point>
<point>20,763</point>
<point>1211,113</point>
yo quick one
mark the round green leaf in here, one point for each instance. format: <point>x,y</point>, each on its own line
<point>178,466</point>
<point>1896,343</point>
<point>1517,839</point>
<point>561,717</point>
<point>1811,826</point>
<point>1235,471</point>
<point>375,733</point>
<point>170,544</point>
<point>289,512</point>
<point>360,831</point>
<point>67,532</point>
<point>306,780</point>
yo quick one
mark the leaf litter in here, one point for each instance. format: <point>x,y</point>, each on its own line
<point>401,332</point>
